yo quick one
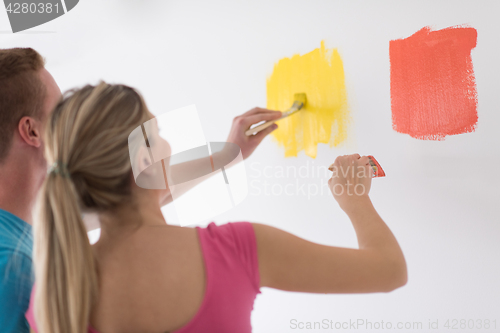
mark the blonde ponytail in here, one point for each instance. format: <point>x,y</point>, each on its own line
<point>87,136</point>
<point>66,274</point>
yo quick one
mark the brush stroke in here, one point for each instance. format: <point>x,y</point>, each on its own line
<point>324,118</point>
<point>433,88</point>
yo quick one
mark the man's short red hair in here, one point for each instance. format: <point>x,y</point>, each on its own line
<point>22,93</point>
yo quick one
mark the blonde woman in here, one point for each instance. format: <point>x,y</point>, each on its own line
<point>144,275</point>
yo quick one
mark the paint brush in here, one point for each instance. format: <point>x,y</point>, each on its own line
<point>376,168</point>
<point>299,100</point>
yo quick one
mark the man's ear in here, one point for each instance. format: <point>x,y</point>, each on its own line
<point>29,130</point>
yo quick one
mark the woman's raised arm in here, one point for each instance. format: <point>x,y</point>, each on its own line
<point>288,262</point>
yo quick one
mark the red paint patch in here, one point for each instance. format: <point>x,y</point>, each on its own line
<point>433,88</point>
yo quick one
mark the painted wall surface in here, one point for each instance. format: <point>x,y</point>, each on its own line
<point>440,197</point>
<point>325,116</point>
<point>433,88</point>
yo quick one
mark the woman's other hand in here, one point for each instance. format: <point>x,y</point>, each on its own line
<point>351,180</point>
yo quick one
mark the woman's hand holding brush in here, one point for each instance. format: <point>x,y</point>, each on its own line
<point>243,122</point>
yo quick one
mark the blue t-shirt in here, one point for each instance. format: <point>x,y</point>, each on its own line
<point>16,273</point>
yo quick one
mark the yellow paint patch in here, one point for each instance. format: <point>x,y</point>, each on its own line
<point>319,74</point>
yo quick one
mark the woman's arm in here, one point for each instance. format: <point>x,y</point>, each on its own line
<point>290,263</point>
<point>237,136</point>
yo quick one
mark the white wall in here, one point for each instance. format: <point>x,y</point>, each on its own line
<point>439,198</point>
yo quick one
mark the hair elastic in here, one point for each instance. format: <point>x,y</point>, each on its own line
<point>59,168</point>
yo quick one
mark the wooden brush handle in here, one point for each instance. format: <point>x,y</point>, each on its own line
<point>285,114</point>
<point>260,127</point>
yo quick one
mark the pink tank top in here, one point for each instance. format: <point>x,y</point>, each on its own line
<point>231,262</point>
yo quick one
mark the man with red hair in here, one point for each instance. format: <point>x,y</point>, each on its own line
<point>28,93</point>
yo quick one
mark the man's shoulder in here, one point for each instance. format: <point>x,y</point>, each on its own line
<point>15,236</point>
<point>12,252</point>
<point>15,265</point>
<point>15,257</point>
<point>11,247</point>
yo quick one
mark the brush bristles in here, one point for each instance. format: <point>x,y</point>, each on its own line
<point>301,97</point>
